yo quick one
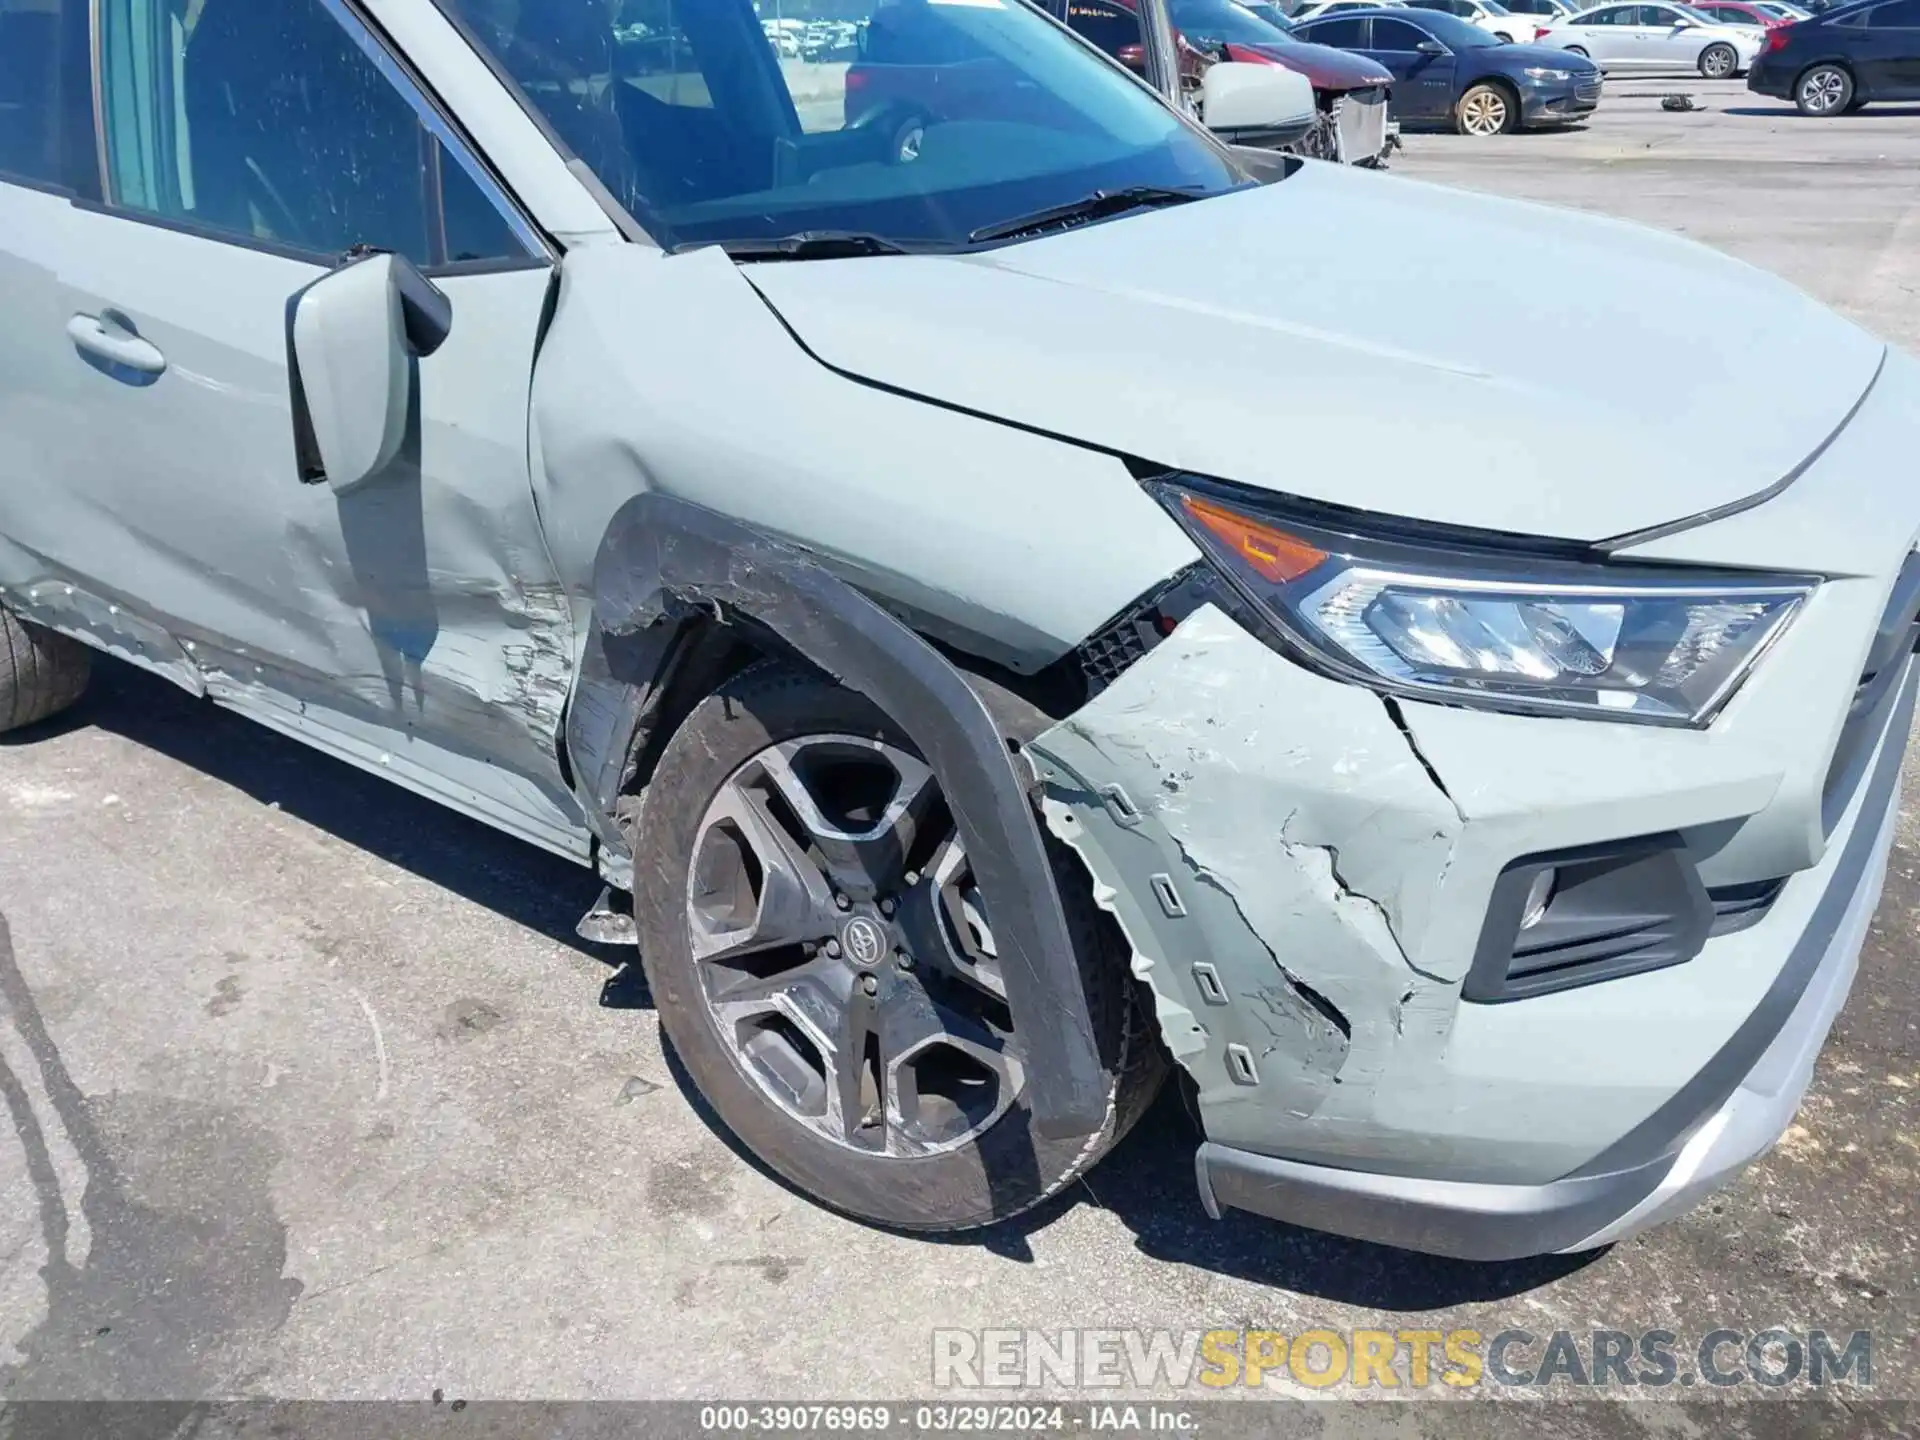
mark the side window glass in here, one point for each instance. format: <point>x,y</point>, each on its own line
<point>1394,35</point>
<point>1342,34</point>
<point>471,226</point>
<point>269,122</point>
<point>46,94</point>
<point>1901,15</point>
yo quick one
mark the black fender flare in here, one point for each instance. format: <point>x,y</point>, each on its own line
<point>665,561</point>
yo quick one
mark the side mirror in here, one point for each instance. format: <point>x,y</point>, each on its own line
<point>1430,47</point>
<point>353,339</point>
<point>1246,104</point>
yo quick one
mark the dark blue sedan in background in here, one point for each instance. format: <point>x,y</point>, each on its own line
<point>1449,72</point>
<point>1842,60</point>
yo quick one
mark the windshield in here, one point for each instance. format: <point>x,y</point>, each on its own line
<point>1272,14</point>
<point>919,122</point>
<point>1216,22</point>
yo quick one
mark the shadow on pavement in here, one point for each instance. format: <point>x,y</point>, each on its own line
<point>515,880</point>
<point>1785,110</point>
<point>1147,1183</point>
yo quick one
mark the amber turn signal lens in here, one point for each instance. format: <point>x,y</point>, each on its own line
<point>1272,554</point>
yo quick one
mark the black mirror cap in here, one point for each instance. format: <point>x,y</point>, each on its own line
<point>425,311</point>
<point>426,314</point>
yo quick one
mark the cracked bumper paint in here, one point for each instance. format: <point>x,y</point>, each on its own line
<point>1303,882</point>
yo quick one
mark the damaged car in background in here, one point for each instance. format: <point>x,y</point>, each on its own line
<point>1350,122</point>
<point>809,532</point>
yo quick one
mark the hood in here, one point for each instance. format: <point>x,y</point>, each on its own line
<point>1516,56</point>
<point>1368,341</point>
<point>1325,67</point>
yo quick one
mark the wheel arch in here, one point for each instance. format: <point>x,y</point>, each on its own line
<point>684,598</point>
<point>1837,62</point>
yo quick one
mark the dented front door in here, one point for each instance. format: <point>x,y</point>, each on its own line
<point>413,624</point>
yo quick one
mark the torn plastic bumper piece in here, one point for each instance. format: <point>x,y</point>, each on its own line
<point>1732,1112</point>
<point>663,560</point>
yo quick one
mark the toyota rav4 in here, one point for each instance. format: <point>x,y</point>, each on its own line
<point>1013,608</point>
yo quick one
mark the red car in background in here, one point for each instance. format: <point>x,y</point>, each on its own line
<point>1351,90</point>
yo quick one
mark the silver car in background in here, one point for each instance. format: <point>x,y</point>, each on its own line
<point>1645,39</point>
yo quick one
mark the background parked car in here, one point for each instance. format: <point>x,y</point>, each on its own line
<point>1490,15</point>
<point>1740,12</point>
<point>1845,59</point>
<point>1350,91</point>
<point>1321,8</point>
<point>1646,38</point>
<point>1542,12</point>
<point>1447,71</point>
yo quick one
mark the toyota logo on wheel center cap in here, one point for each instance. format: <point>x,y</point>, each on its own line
<point>864,941</point>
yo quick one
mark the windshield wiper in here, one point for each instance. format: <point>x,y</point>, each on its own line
<point>814,245</point>
<point>1098,206</point>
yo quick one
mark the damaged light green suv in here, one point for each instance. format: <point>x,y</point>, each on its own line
<point>1012,587</point>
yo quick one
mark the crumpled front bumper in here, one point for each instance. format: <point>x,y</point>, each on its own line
<point>1705,1144</point>
<point>1303,869</point>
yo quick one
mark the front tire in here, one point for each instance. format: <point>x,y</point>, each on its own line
<point>826,971</point>
<point>1823,91</point>
<point>41,673</point>
<point>1486,109</point>
<point>1718,61</point>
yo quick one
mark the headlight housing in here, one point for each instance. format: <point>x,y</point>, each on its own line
<point>1492,626</point>
<point>1547,72</point>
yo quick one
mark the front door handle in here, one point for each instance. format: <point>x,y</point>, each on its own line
<point>122,354</point>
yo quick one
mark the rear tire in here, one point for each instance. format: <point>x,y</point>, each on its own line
<point>1719,61</point>
<point>41,673</point>
<point>1824,91</point>
<point>782,784</point>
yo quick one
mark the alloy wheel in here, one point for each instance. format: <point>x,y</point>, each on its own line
<point>1484,112</point>
<point>1823,91</point>
<point>1718,63</point>
<point>846,957</point>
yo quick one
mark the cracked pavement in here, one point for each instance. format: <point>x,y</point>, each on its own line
<point>312,1093</point>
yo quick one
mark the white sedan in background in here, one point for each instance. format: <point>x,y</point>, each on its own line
<point>1489,15</point>
<point>1667,37</point>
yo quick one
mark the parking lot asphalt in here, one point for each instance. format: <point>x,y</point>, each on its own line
<point>314,1094</point>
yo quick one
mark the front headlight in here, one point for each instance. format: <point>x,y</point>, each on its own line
<point>1547,72</point>
<point>1494,627</point>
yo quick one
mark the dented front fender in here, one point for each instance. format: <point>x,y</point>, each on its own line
<point>1279,858</point>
